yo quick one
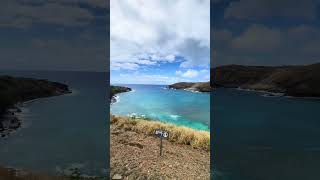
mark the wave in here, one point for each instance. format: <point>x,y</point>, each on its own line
<point>115,99</point>
<point>175,117</point>
<point>273,95</point>
<point>266,93</point>
<point>192,90</point>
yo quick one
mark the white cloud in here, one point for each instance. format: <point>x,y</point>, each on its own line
<point>58,54</point>
<point>190,73</point>
<point>259,38</point>
<point>160,28</point>
<point>259,9</point>
<point>264,45</point>
<point>140,78</point>
<point>25,13</point>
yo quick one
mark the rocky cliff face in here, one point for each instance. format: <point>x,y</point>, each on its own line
<point>117,89</point>
<point>200,86</point>
<point>299,81</point>
<point>15,90</point>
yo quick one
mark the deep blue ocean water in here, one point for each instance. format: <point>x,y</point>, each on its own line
<point>62,132</point>
<point>180,107</point>
<point>264,138</point>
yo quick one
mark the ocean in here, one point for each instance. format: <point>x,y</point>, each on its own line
<point>65,132</point>
<point>262,137</point>
<point>179,107</point>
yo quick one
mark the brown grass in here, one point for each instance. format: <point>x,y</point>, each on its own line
<point>178,134</point>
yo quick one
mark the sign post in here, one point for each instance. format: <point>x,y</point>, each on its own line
<point>161,134</point>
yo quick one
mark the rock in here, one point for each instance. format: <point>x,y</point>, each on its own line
<point>117,89</point>
<point>199,86</point>
<point>117,177</point>
<point>298,81</point>
<point>18,90</point>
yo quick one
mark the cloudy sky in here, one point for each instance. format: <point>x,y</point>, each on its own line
<point>53,35</point>
<point>265,32</point>
<point>159,41</point>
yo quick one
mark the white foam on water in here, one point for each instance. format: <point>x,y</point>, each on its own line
<point>175,117</point>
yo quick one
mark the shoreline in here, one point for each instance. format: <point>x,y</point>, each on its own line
<point>10,123</point>
<point>115,98</point>
<point>201,87</point>
<point>299,81</point>
<point>114,90</point>
<point>273,94</point>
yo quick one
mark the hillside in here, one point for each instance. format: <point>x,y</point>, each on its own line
<point>15,90</point>
<point>134,151</point>
<point>200,86</point>
<point>116,90</point>
<point>298,81</point>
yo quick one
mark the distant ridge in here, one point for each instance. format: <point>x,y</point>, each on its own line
<point>298,81</point>
<point>199,86</point>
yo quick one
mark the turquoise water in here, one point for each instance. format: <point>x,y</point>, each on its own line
<point>263,138</point>
<point>62,132</point>
<point>179,107</point>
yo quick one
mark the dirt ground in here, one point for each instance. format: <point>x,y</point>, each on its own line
<point>136,156</point>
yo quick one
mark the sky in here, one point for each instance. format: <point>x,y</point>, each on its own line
<point>159,41</point>
<point>66,35</point>
<point>265,32</point>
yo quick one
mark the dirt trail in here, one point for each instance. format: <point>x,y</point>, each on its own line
<point>136,156</point>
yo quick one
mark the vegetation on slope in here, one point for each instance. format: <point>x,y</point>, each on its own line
<point>118,89</point>
<point>14,90</point>
<point>200,86</point>
<point>299,81</point>
<point>178,134</point>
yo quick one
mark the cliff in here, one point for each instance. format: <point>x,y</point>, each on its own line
<point>14,90</point>
<point>116,90</point>
<point>200,86</point>
<point>298,81</point>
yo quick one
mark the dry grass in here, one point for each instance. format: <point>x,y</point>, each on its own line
<point>178,134</point>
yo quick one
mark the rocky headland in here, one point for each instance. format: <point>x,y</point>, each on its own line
<point>297,81</point>
<point>116,90</point>
<point>14,90</point>
<point>192,86</point>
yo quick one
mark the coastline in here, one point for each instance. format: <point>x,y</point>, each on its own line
<point>10,117</point>
<point>299,81</point>
<point>114,90</point>
<point>202,87</point>
<point>274,94</point>
<point>134,150</point>
<point>115,98</point>
<point>16,91</point>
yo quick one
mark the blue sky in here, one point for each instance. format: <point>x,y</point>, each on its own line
<point>265,32</point>
<point>160,41</point>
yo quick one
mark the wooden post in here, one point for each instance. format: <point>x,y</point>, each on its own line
<point>160,145</point>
